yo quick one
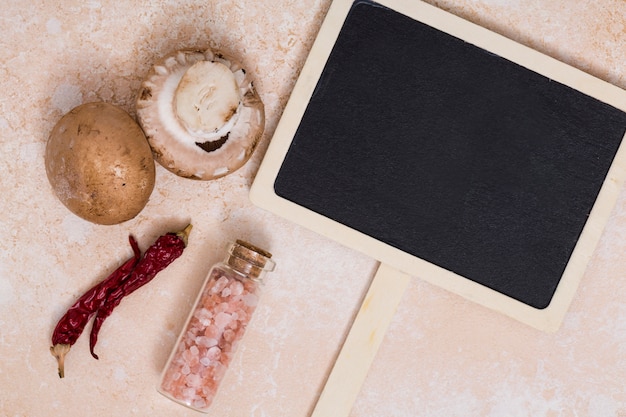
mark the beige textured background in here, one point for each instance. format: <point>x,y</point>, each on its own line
<point>443,356</point>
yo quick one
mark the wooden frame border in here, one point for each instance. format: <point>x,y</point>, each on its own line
<point>262,191</point>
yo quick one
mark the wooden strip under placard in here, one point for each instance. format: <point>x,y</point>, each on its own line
<point>360,347</point>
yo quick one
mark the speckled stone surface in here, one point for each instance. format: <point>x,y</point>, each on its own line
<point>443,356</point>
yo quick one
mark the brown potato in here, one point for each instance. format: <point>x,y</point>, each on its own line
<point>99,163</point>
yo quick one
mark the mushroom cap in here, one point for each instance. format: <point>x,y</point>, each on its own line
<point>99,163</point>
<point>194,154</point>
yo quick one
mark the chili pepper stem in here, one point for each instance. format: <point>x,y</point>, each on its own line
<point>184,234</point>
<point>59,351</point>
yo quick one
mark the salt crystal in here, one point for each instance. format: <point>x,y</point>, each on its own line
<point>196,367</point>
<point>250,300</point>
<point>209,391</point>
<point>229,335</point>
<point>206,342</point>
<point>242,316</point>
<point>222,320</point>
<point>212,331</point>
<point>227,357</point>
<point>226,348</point>
<point>213,353</point>
<point>185,370</point>
<point>220,371</point>
<point>219,285</point>
<point>189,393</point>
<point>199,403</point>
<point>203,315</point>
<point>226,292</point>
<point>205,361</point>
<point>193,380</point>
<point>194,350</point>
<point>236,287</point>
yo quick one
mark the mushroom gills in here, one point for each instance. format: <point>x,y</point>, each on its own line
<point>210,146</point>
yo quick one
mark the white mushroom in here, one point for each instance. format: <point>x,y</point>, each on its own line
<point>200,113</point>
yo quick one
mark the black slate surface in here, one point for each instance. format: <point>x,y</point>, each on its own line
<point>451,153</point>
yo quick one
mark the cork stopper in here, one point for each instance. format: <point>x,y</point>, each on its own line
<point>249,259</point>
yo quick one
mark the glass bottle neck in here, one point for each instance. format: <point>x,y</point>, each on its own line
<point>249,260</point>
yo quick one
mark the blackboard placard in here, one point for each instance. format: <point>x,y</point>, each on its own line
<point>450,153</point>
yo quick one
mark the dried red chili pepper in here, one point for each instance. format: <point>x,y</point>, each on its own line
<point>72,324</point>
<point>157,257</point>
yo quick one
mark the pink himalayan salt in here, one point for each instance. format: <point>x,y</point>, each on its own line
<point>209,340</point>
<point>222,320</point>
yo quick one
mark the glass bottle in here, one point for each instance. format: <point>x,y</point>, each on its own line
<point>214,327</point>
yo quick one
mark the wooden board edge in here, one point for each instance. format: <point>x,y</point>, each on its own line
<point>262,192</point>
